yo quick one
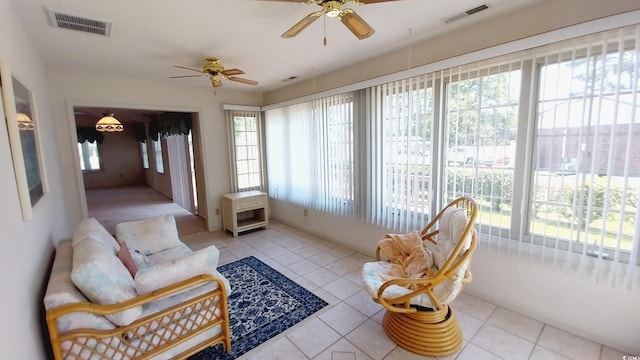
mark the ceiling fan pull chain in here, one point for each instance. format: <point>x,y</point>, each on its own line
<point>410,46</point>
<point>324,29</point>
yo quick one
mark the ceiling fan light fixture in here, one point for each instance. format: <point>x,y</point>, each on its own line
<point>331,8</point>
<point>216,80</point>
<point>108,123</point>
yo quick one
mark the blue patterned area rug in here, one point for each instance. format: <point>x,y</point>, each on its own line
<point>263,303</point>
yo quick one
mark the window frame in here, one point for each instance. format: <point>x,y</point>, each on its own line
<point>144,153</point>
<point>158,156</point>
<point>84,161</point>
<point>517,231</point>
<point>528,236</point>
<point>232,132</point>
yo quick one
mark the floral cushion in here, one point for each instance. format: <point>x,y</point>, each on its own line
<point>203,261</point>
<point>103,278</point>
<point>168,255</point>
<point>91,228</point>
<point>149,235</point>
<point>61,291</point>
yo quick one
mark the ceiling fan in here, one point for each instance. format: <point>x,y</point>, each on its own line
<point>333,8</point>
<point>213,69</point>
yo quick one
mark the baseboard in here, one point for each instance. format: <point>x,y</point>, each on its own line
<point>553,321</point>
<point>368,252</point>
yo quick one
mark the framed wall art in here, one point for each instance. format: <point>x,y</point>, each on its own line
<point>23,138</point>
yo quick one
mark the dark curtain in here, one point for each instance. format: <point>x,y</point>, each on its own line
<point>169,124</point>
<point>89,134</point>
<point>154,127</point>
<point>141,134</point>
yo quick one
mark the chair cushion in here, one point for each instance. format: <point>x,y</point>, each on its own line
<point>103,278</point>
<point>149,235</point>
<point>451,227</point>
<point>91,228</point>
<point>169,255</point>
<point>203,261</point>
<point>374,274</point>
<point>61,291</point>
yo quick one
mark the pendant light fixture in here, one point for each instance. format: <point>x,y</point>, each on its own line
<point>108,123</point>
<point>24,122</point>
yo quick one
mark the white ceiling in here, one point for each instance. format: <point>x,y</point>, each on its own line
<point>148,37</point>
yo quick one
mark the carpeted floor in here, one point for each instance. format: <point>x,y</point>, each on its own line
<point>263,303</point>
<point>112,206</point>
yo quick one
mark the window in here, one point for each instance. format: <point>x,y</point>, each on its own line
<point>311,154</point>
<point>397,148</point>
<point>543,139</point>
<point>587,179</point>
<point>89,156</point>
<point>245,134</point>
<point>480,119</point>
<point>157,154</point>
<point>144,154</point>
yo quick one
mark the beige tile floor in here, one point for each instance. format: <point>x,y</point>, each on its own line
<point>350,327</point>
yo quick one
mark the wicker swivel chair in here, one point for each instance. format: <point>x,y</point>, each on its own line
<point>419,317</point>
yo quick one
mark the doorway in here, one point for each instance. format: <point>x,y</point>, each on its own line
<point>137,177</point>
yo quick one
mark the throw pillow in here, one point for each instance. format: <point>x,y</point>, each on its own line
<point>104,279</point>
<point>91,228</point>
<point>149,235</point>
<point>127,259</point>
<point>61,291</point>
<point>203,261</point>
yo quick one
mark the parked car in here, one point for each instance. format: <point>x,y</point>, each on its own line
<point>569,166</point>
<point>460,156</point>
<point>421,147</point>
<point>482,156</point>
<point>501,161</point>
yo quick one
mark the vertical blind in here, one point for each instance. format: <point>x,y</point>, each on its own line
<point>586,176</point>
<point>398,153</point>
<point>543,139</point>
<point>310,152</point>
<point>481,103</point>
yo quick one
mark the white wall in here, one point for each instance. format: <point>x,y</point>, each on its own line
<point>119,165</point>
<point>596,311</point>
<point>91,90</point>
<point>26,246</point>
<point>539,18</point>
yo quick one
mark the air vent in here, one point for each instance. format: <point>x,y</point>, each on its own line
<point>475,10</point>
<point>78,23</point>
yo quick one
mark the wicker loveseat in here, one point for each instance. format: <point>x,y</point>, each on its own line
<point>143,296</point>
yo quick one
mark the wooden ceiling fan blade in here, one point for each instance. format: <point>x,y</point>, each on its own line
<point>302,24</point>
<point>242,80</point>
<point>375,1</point>
<point>232,72</point>
<point>186,68</point>
<point>185,76</point>
<point>356,24</point>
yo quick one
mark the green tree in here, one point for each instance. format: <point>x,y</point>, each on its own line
<point>482,111</point>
